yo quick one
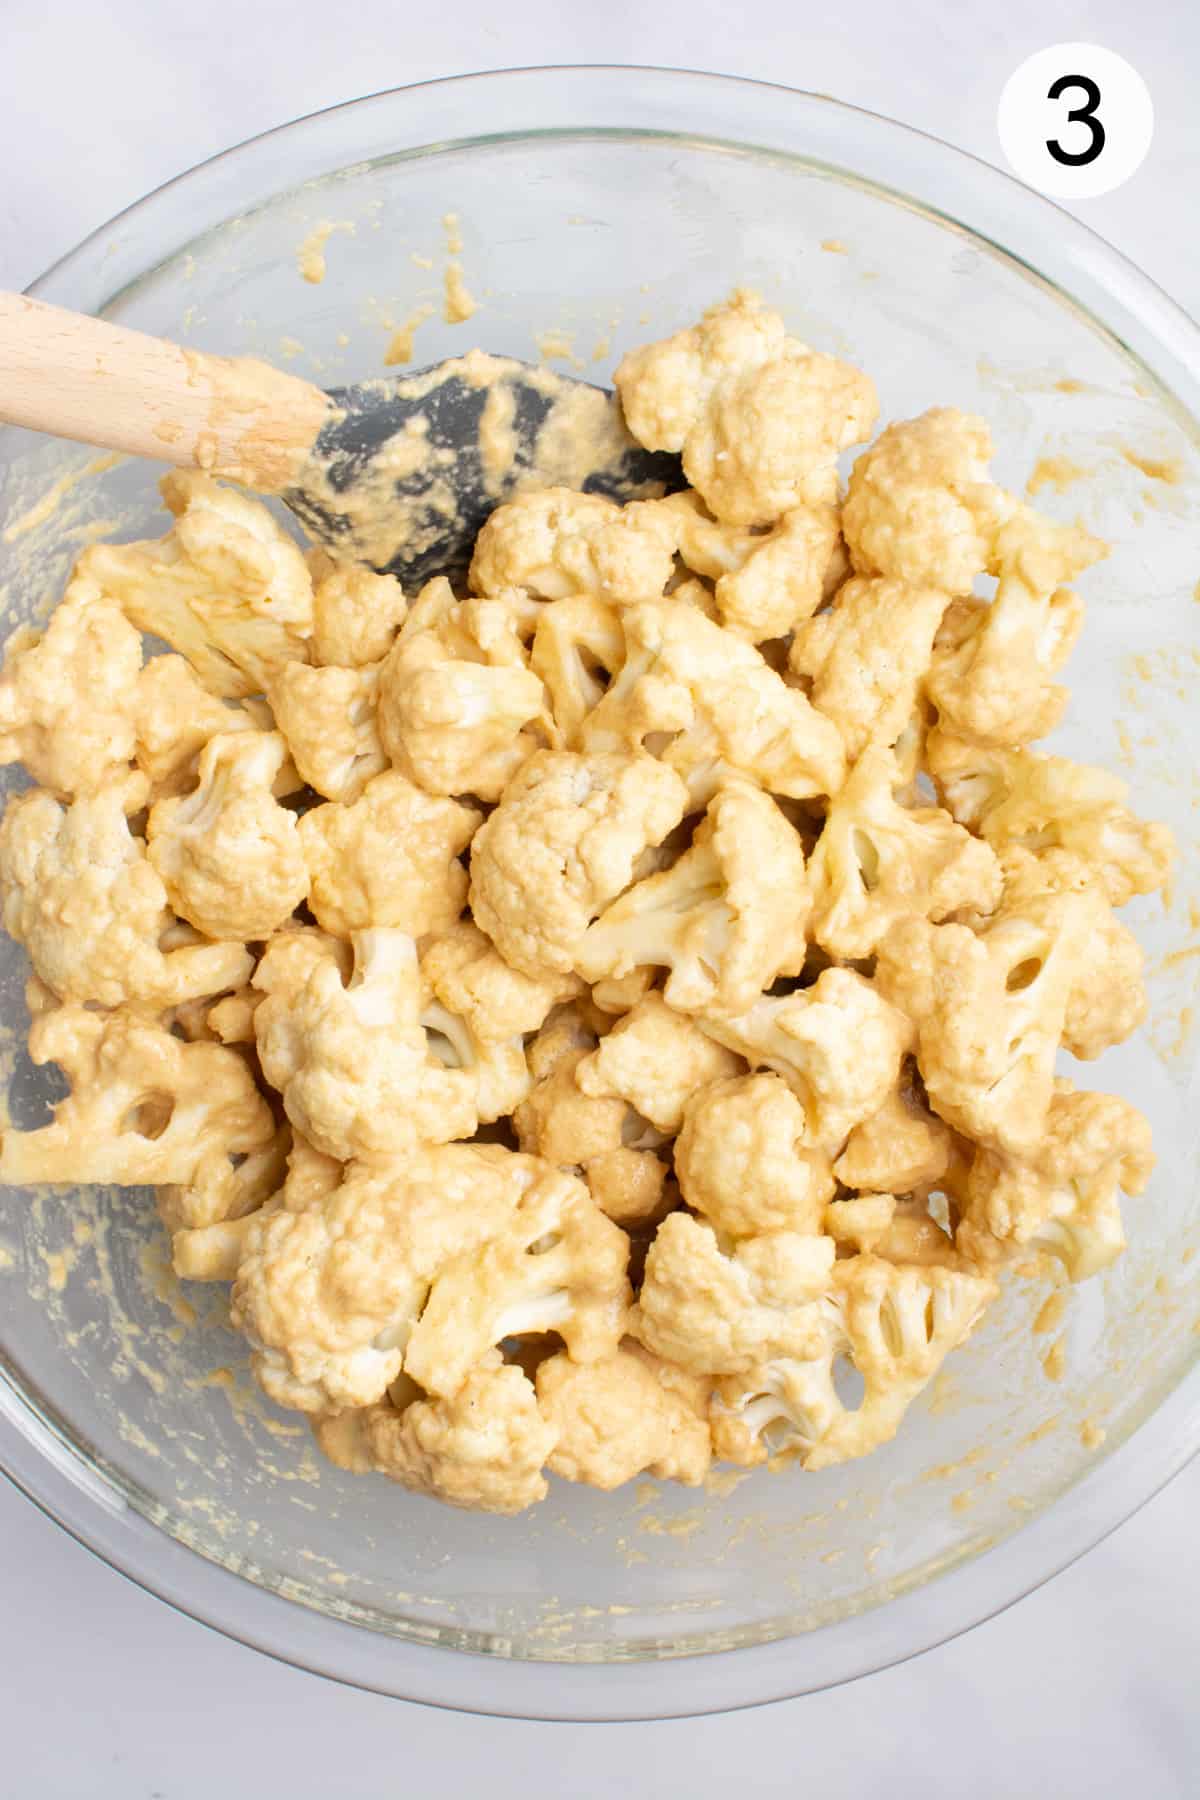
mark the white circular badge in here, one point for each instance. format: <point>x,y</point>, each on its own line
<point>1075,121</point>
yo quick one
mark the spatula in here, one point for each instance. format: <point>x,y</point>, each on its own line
<point>397,472</point>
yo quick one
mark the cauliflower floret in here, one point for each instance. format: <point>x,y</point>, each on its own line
<point>838,1045</point>
<point>208,1217</point>
<point>327,717</point>
<point>465,972</point>
<point>760,418</point>
<point>564,841</point>
<point>901,1147</point>
<point>482,1447</point>
<point>329,1292</point>
<point>226,586</point>
<point>654,1059</point>
<point>989,1012</point>
<point>721,1314</point>
<point>557,1265</point>
<point>896,1325</point>
<point>92,912</point>
<point>143,1107</point>
<point>451,717</point>
<point>1107,1001</point>
<point>579,645</point>
<point>744,1162</point>
<point>768,583</point>
<point>726,919</point>
<point>229,854</point>
<point>990,676</point>
<point>67,695</point>
<point>1034,802</point>
<point>553,542</point>
<point>355,612</point>
<point>1062,1201</point>
<point>176,716</point>
<point>605,1139</point>
<point>388,858</point>
<point>354,1066</point>
<point>629,1413</point>
<point>921,505</point>
<point>497,1068</point>
<point>876,862</point>
<point>709,704</point>
<point>867,656</point>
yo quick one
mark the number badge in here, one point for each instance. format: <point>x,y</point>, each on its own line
<point>1075,121</point>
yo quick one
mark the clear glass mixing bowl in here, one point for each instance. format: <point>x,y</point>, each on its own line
<point>596,208</point>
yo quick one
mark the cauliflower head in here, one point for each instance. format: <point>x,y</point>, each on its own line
<point>655,1059</point>
<point>90,908</point>
<point>727,919</point>
<point>226,586</point>
<point>68,695</point>
<point>709,704</point>
<point>228,854</point>
<point>388,858</point>
<point>866,657</point>
<point>563,842</point>
<point>629,1413</point>
<point>760,419</point>
<point>837,1044</point>
<point>744,1162</point>
<point>876,862</point>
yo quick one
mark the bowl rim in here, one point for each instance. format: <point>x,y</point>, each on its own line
<point>989,208</point>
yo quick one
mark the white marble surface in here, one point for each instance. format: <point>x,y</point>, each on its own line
<point>1085,1689</point>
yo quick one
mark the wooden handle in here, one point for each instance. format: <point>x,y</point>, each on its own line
<point>77,377</point>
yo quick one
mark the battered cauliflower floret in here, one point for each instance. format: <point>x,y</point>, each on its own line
<point>228,854</point>
<point>564,841</point>
<point>631,1413</point>
<point>327,717</point>
<point>838,1045</point>
<point>990,676</point>
<point>655,1059</point>
<point>553,542</point>
<point>389,858</point>
<point>726,919</point>
<point>1062,1200</point>
<point>208,1217</point>
<point>759,418</point>
<point>355,613</point>
<point>708,703</point>
<point>144,1107</point>
<point>609,1143</point>
<point>1107,1001</point>
<point>744,1162</point>
<point>989,1012</point>
<point>557,1265</point>
<point>451,718</point>
<point>900,1148</point>
<point>67,695</point>
<point>175,717</point>
<point>464,971</point>
<point>867,656</point>
<point>895,1325</point>
<point>226,586</point>
<point>877,861</point>
<point>766,583</point>
<point>91,910</point>
<point>921,505</point>
<point>328,1293</point>
<point>1032,802</point>
<point>482,1447</point>
<point>579,645</point>
<point>351,1060</point>
<point>721,1314</point>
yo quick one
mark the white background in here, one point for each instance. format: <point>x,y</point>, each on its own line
<point>1086,1689</point>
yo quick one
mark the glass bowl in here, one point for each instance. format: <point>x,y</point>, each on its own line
<point>596,208</point>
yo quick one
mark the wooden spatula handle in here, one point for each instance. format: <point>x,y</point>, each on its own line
<point>78,377</point>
